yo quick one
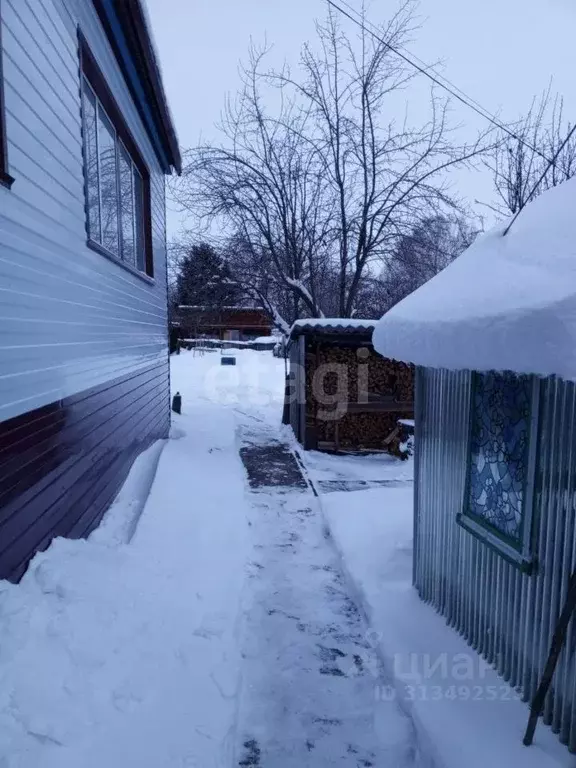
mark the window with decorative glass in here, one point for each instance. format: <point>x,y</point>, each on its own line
<point>115,186</point>
<point>499,488</point>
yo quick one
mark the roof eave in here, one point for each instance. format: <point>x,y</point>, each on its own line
<point>331,330</point>
<point>153,72</point>
<point>126,27</point>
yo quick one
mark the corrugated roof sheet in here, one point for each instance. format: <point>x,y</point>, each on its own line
<point>333,326</point>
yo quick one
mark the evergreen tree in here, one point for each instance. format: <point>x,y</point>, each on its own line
<point>205,280</point>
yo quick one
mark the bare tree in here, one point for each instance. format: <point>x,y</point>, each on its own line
<point>421,254</point>
<point>321,188</point>
<point>519,164</point>
<point>385,174</point>
<point>264,185</point>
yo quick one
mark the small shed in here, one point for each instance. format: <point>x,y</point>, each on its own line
<point>493,339</point>
<point>342,394</point>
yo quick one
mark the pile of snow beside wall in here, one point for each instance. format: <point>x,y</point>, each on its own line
<point>466,715</point>
<point>123,650</point>
<point>508,303</point>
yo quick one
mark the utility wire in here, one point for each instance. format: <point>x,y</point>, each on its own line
<point>459,94</point>
<point>442,80</point>
<point>541,179</point>
<point>439,80</point>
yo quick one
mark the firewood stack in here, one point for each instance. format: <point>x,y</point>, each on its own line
<point>350,372</point>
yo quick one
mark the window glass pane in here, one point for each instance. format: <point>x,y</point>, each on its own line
<point>139,203</point>
<point>108,183</point>
<point>91,155</point>
<point>127,207</point>
<point>499,450</point>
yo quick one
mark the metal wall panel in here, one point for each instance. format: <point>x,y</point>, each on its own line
<point>508,616</point>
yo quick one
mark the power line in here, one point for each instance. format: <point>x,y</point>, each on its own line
<point>436,78</point>
<point>541,179</point>
<point>441,78</point>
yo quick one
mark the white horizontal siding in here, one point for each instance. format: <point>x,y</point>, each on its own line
<point>70,319</point>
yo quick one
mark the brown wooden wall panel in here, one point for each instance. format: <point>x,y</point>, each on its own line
<point>62,465</point>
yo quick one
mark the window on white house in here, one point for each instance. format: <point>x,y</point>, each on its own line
<point>114,187</point>
<point>116,179</point>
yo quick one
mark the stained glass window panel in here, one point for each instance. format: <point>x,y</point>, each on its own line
<point>499,450</point>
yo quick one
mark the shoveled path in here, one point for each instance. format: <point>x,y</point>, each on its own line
<point>313,691</point>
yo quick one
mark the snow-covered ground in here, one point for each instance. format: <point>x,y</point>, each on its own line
<point>463,712</point>
<point>310,669</point>
<point>117,653</point>
<point>234,618</point>
<point>355,472</point>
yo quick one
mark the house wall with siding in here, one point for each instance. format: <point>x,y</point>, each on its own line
<point>508,616</point>
<point>83,341</point>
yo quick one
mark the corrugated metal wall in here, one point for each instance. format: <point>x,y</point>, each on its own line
<point>506,615</point>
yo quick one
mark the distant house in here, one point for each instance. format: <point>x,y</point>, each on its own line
<point>238,323</point>
<point>493,337</point>
<point>86,140</point>
<point>343,395</point>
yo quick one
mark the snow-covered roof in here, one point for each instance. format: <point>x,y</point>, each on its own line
<point>336,325</point>
<point>508,303</point>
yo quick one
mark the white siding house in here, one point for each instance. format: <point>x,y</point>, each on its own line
<point>86,142</point>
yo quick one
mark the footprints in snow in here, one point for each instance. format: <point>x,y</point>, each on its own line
<point>251,757</point>
<point>302,606</point>
<point>330,655</point>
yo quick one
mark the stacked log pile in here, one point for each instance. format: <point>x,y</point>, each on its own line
<point>338,375</point>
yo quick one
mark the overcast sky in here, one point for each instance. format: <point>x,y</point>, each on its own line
<point>501,52</point>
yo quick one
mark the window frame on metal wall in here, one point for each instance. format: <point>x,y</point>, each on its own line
<point>91,77</point>
<point>519,552</point>
<point>6,180</point>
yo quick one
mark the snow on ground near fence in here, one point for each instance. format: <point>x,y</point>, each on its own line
<point>368,468</point>
<point>463,711</point>
<point>116,654</point>
<point>507,303</point>
<point>254,385</point>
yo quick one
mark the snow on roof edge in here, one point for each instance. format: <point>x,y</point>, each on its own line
<point>508,303</point>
